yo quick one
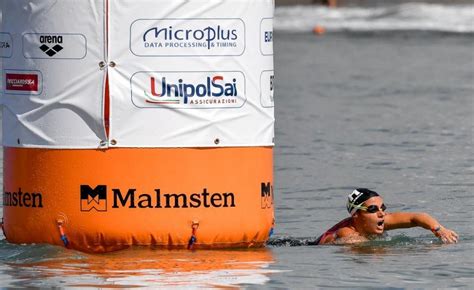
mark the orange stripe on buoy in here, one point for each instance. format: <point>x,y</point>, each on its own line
<point>112,199</point>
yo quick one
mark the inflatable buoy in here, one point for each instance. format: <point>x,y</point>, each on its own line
<point>319,30</point>
<point>138,123</point>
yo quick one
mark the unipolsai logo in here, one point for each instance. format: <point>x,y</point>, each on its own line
<point>266,194</point>
<point>94,198</point>
<point>187,37</point>
<point>188,89</point>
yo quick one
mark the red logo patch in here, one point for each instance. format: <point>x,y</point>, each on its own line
<point>22,82</point>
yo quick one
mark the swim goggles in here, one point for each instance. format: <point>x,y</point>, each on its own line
<point>372,208</point>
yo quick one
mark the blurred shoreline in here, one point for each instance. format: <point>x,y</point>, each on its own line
<point>369,3</point>
<point>401,16</point>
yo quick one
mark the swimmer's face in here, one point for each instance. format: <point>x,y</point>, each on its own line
<point>372,223</point>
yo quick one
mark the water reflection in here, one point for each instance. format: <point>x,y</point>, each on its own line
<point>141,268</point>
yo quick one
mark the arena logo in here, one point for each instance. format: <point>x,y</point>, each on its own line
<point>187,37</point>
<point>97,199</point>
<point>52,40</point>
<point>266,195</point>
<point>188,89</point>
<point>22,199</point>
<point>54,46</point>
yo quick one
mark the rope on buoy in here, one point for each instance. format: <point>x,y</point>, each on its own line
<point>272,229</point>
<point>193,239</point>
<point>3,229</point>
<point>62,233</point>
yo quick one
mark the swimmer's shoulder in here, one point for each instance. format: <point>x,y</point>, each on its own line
<point>345,232</point>
<point>348,235</point>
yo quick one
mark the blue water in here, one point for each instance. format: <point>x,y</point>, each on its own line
<point>389,110</point>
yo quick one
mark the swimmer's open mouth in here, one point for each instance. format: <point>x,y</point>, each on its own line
<point>380,223</point>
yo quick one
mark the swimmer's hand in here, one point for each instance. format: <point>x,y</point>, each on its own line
<point>447,236</point>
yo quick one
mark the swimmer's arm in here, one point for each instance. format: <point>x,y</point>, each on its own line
<point>399,220</point>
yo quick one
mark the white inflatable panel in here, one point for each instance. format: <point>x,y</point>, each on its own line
<point>181,73</point>
<point>191,73</point>
<point>51,81</point>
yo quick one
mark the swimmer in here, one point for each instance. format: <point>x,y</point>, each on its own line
<point>368,219</point>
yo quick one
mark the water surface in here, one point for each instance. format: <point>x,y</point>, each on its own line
<point>391,110</point>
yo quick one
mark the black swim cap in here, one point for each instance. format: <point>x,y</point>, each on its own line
<point>357,198</point>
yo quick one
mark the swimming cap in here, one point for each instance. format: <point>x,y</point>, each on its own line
<point>357,198</point>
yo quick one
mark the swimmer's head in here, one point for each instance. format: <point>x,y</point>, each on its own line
<point>356,199</point>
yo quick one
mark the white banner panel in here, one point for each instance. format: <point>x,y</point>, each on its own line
<point>191,73</point>
<point>51,80</point>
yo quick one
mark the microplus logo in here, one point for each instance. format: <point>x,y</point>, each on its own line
<point>96,198</point>
<point>209,37</point>
<point>188,89</point>
<point>187,37</point>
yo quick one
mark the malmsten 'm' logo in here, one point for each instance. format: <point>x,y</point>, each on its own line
<point>94,198</point>
<point>22,199</point>
<point>266,195</point>
<point>97,199</point>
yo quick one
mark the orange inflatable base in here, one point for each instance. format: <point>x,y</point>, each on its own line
<point>106,200</point>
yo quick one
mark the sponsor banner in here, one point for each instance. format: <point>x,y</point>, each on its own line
<point>96,199</point>
<point>187,37</point>
<point>188,90</point>
<point>266,36</point>
<point>266,88</point>
<point>21,198</point>
<point>57,45</point>
<point>18,82</point>
<point>6,45</point>
<point>188,73</point>
<point>53,86</point>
